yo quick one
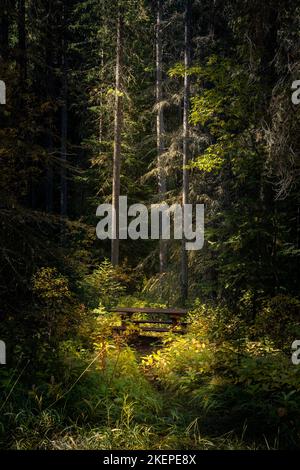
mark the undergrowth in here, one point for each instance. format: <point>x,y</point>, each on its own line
<point>224,384</point>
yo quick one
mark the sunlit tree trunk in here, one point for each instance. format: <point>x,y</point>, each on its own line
<point>186,135</point>
<point>118,111</point>
<point>101,99</point>
<point>162,187</point>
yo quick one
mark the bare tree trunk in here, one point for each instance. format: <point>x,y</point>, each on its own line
<point>101,100</point>
<point>4,28</point>
<point>162,186</point>
<point>117,144</point>
<point>49,174</point>
<point>50,118</point>
<point>22,43</point>
<point>186,135</point>
<point>64,124</point>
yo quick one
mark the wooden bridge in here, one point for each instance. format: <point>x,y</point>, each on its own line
<point>170,318</point>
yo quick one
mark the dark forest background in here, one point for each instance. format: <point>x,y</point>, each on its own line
<point>201,109</point>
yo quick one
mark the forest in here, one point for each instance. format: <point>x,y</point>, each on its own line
<point>192,103</point>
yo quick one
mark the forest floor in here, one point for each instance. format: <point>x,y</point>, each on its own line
<point>172,423</point>
<point>123,407</point>
<point>174,392</point>
<point>144,345</point>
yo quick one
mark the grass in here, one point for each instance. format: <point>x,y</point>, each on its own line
<point>113,404</point>
<point>195,391</point>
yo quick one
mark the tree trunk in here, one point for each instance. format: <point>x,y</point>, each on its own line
<point>64,123</point>
<point>117,143</point>
<point>186,135</point>
<point>101,99</point>
<point>4,28</point>
<point>162,187</point>
<point>22,43</point>
<point>50,118</point>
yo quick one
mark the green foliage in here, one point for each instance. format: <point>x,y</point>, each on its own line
<point>180,364</point>
<point>54,316</point>
<point>104,286</point>
<point>254,384</point>
<point>50,287</point>
<point>205,382</point>
<point>279,319</point>
<point>73,383</point>
<point>227,95</point>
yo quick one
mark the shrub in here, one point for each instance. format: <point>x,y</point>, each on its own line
<point>232,382</point>
<point>103,286</point>
<point>280,320</point>
<point>55,316</point>
<point>181,364</point>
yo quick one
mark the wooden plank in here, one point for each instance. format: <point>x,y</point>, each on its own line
<point>161,330</point>
<point>166,311</point>
<point>155,330</point>
<point>158,322</point>
<point>151,330</point>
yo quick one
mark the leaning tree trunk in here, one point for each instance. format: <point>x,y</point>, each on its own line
<point>186,134</point>
<point>118,111</point>
<point>160,130</point>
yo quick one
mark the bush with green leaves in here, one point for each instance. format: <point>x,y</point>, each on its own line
<point>55,316</point>
<point>103,286</point>
<point>279,319</point>
<point>242,381</point>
